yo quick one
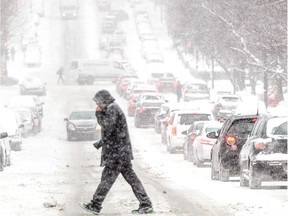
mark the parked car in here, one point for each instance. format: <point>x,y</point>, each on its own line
<point>82,124</point>
<point>226,150</point>
<point>5,151</point>
<point>30,120</point>
<point>146,109</point>
<point>180,121</point>
<point>226,104</point>
<point>32,85</point>
<point>190,136</point>
<point>195,90</point>
<point>202,145</point>
<point>30,101</point>
<point>264,155</point>
<point>12,125</point>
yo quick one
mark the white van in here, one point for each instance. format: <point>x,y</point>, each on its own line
<point>87,70</point>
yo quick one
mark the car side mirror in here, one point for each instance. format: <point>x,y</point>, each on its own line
<point>212,135</point>
<point>184,132</point>
<point>3,135</point>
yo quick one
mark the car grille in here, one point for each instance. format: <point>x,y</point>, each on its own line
<point>85,128</point>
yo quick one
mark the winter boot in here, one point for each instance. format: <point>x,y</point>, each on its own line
<point>90,208</point>
<point>143,210</point>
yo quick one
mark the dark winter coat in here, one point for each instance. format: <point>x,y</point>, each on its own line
<point>115,139</point>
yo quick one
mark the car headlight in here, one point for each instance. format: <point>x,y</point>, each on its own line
<point>71,127</point>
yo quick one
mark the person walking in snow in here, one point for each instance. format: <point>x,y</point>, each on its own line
<point>60,75</point>
<point>116,154</point>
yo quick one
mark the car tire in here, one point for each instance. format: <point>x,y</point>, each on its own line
<point>8,160</point>
<point>16,146</point>
<point>223,174</point>
<point>69,137</point>
<point>189,154</point>
<point>254,178</point>
<point>1,159</point>
<point>214,174</point>
<point>199,163</point>
<point>243,181</point>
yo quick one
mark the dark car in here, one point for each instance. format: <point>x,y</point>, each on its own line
<point>82,124</point>
<point>166,84</point>
<point>264,155</point>
<point>145,112</point>
<point>226,150</point>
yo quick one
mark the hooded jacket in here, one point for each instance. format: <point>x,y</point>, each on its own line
<point>115,139</point>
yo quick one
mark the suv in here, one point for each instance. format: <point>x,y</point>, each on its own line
<point>264,155</point>
<point>226,104</point>
<point>226,150</point>
<point>180,121</point>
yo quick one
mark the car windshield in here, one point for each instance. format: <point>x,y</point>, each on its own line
<point>82,115</point>
<point>188,119</point>
<point>277,126</point>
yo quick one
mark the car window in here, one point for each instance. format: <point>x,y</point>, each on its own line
<point>277,126</point>
<point>188,119</point>
<point>242,127</point>
<point>85,115</point>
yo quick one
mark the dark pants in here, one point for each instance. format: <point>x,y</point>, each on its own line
<point>60,78</point>
<point>109,176</point>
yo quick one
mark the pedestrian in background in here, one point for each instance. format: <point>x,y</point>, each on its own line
<point>116,154</point>
<point>60,75</point>
<point>178,90</point>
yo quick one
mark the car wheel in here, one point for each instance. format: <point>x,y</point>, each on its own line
<point>214,174</point>
<point>16,146</point>
<point>189,154</point>
<point>254,178</point>
<point>8,160</point>
<point>185,154</point>
<point>199,163</point>
<point>1,159</point>
<point>243,181</point>
<point>69,137</point>
<point>223,174</point>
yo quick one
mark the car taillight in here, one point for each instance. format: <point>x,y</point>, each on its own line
<point>259,145</point>
<point>141,110</point>
<point>230,140</point>
<point>174,130</point>
<point>204,141</point>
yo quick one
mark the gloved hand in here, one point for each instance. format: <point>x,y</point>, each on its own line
<point>97,144</point>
